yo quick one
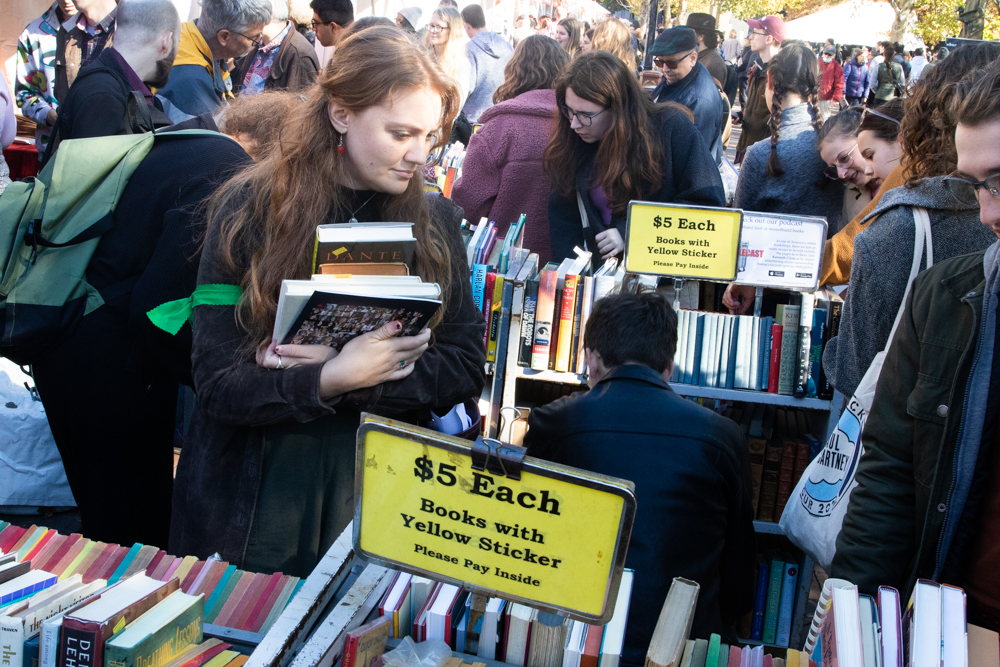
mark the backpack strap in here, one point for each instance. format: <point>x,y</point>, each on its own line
<point>172,315</point>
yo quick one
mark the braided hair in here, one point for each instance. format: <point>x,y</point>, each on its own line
<point>792,70</point>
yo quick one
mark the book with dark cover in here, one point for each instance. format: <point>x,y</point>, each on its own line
<point>695,366</point>
<point>788,450</point>
<point>556,322</point>
<point>337,256</point>
<point>453,618</point>
<point>816,351</point>
<point>335,319</point>
<point>773,607</point>
<point>825,389</point>
<point>758,448</point>
<point>769,480</point>
<point>528,323</point>
<point>577,315</point>
<point>805,345</point>
<point>760,599</point>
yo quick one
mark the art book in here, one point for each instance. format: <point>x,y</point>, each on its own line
<point>332,319</point>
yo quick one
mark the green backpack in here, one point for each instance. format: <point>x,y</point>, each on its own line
<point>49,229</point>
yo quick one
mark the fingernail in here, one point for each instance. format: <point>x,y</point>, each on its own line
<point>397,326</point>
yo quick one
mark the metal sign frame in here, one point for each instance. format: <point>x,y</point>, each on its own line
<point>425,437</point>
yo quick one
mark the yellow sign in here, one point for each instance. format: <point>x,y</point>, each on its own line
<point>682,241</point>
<point>555,539</point>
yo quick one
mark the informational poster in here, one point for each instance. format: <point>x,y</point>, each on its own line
<point>782,251</point>
<point>682,241</point>
<point>554,539</point>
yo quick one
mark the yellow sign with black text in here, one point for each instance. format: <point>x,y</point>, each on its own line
<point>554,539</point>
<point>682,241</point>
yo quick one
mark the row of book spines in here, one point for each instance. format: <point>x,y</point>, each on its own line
<point>776,466</point>
<point>554,319</point>
<point>259,597</point>
<point>714,653</point>
<point>775,586</point>
<point>487,292</point>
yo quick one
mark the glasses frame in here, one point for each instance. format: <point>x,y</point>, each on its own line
<point>315,23</point>
<point>568,114</point>
<point>435,27</point>
<point>671,64</point>
<point>954,180</point>
<point>845,160</point>
<point>868,110</point>
<point>258,43</point>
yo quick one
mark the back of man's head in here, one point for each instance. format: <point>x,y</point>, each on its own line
<point>474,16</point>
<point>919,51</point>
<point>448,3</point>
<point>340,12</point>
<point>633,328</point>
<point>233,15</point>
<point>140,22</point>
<point>279,11</point>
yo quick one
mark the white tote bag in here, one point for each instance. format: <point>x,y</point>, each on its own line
<point>816,509</point>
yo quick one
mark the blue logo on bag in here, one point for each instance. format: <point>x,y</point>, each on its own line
<point>832,474</point>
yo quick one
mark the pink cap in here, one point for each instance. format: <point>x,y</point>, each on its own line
<point>772,25</point>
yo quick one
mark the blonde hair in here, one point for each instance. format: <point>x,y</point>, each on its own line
<point>613,37</point>
<point>454,48</point>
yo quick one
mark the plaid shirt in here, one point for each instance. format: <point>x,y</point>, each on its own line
<point>253,83</point>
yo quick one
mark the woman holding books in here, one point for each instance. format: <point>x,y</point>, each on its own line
<point>502,175</point>
<point>446,39</point>
<point>267,475</point>
<point>613,144</point>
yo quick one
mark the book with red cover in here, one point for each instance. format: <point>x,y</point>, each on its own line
<point>235,598</point>
<point>210,581</point>
<point>788,450</point>
<point>419,633</point>
<point>803,454</point>
<point>71,555</point>
<point>249,601</point>
<point>93,572</point>
<point>114,560</point>
<point>156,561</point>
<point>39,546</point>
<point>491,280</point>
<point>22,538</point>
<point>257,604</point>
<point>545,316</point>
<point>592,646</point>
<point>774,365</point>
<point>191,576</point>
<point>161,567</point>
<point>5,536</point>
<point>363,646</point>
<point>91,557</point>
<point>266,604</point>
<point>51,547</point>
<point>567,311</point>
<point>60,552</point>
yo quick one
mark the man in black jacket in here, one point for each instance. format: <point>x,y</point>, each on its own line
<point>97,104</point>
<point>690,466</point>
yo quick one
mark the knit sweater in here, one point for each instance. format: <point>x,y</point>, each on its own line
<point>798,191</point>
<point>880,266</point>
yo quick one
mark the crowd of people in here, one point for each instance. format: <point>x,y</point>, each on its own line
<point>568,131</point>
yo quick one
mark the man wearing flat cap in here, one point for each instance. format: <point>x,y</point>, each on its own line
<point>766,36</point>
<point>686,81</point>
<point>708,45</point>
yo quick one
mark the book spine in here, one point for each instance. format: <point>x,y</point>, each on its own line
<point>769,481</point>
<point>773,602</point>
<point>682,321</point>
<point>49,647</point>
<point>80,646</point>
<point>788,449</point>
<point>586,305</point>
<point>754,355</point>
<point>803,455</point>
<point>816,352</point>
<point>574,348</point>
<point>491,281</point>
<point>758,447</point>
<point>494,320</point>
<point>734,338</point>
<point>528,323</point>
<point>31,652</point>
<point>11,641</point>
<point>566,316</point>
<point>775,356</point>
<point>764,372</point>
<point>825,390</point>
<point>789,348</point>
<point>699,344</point>
<point>350,651</point>
<point>556,321</point>
<point>544,313</point>
<point>479,272</point>
<point>789,579</point>
<point>760,601</point>
<point>449,182</point>
<point>805,346</point>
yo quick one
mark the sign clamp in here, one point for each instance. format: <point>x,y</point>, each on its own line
<point>508,458</point>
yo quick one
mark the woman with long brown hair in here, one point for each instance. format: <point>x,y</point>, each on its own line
<point>613,144</point>
<point>502,175</point>
<point>568,35</point>
<point>267,475</point>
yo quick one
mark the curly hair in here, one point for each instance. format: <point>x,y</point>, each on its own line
<point>928,130</point>
<point>614,38</point>
<point>537,63</point>
<point>792,70</point>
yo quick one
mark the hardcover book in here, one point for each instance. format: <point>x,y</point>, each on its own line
<point>366,644</point>
<point>340,245</point>
<point>154,638</point>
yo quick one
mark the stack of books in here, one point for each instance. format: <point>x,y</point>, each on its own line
<point>45,576</point>
<point>490,258</point>
<point>444,174</point>
<point>770,621</point>
<point>506,631</point>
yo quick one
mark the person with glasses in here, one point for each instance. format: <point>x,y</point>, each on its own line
<point>445,37</point>
<point>331,18</point>
<point>839,150</point>
<point>766,37</point>
<point>285,61</point>
<point>880,259</point>
<point>612,144</point>
<point>686,81</point>
<point>200,81</point>
<point>927,504</point>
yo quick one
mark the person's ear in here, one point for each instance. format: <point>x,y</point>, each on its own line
<point>340,117</point>
<point>668,372</point>
<point>166,43</point>
<point>223,36</point>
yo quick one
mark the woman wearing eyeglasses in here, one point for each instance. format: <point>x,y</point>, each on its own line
<point>882,254</point>
<point>613,144</point>
<point>838,148</point>
<point>446,38</point>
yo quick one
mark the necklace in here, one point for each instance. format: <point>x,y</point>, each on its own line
<point>354,219</point>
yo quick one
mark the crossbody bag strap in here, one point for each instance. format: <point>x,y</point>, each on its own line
<point>921,240</point>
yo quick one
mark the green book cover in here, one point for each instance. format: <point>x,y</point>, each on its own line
<point>773,601</point>
<point>220,601</point>
<point>700,652</point>
<point>159,635</point>
<point>714,649</point>
<point>723,656</point>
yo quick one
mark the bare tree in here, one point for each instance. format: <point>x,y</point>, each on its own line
<point>905,14</point>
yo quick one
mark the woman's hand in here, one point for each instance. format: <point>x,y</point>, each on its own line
<point>610,243</point>
<point>738,298</point>
<point>272,355</point>
<point>376,357</point>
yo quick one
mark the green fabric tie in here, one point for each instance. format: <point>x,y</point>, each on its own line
<point>172,315</point>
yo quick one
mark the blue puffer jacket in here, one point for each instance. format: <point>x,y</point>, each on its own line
<point>855,79</point>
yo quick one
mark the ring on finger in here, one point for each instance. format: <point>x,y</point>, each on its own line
<point>402,363</point>
<point>280,366</point>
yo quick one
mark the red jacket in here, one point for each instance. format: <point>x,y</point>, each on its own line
<point>831,80</point>
<point>502,174</point>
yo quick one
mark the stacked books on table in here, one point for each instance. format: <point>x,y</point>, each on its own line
<point>449,170</point>
<point>775,586</point>
<point>853,629</point>
<point>489,260</point>
<point>500,630</point>
<point>364,278</point>
<point>46,578</point>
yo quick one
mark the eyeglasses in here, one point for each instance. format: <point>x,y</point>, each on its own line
<point>759,32</point>
<point>437,27</point>
<point>256,41</point>
<point>844,160</point>
<point>868,110</point>
<point>967,191</point>
<point>671,63</point>
<point>315,23</point>
<point>584,119</point>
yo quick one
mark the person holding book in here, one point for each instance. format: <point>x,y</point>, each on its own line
<point>690,467</point>
<point>267,474</point>
<point>880,262</point>
<point>927,504</point>
<point>612,144</point>
<point>502,175</point>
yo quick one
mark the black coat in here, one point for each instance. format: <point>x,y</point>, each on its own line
<point>691,177</point>
<point>691,469</point>
<point>295,66</point>
<point>698,92</point>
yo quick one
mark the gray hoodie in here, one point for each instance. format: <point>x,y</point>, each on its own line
<point>488,54</point>
<point>883,253</point>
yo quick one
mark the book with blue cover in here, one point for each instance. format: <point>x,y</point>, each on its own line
<point>788,587</point>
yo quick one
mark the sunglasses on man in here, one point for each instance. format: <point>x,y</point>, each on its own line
<point>670,63</point>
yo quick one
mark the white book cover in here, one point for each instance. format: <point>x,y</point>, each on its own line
<point>575,639</point>
<point>438,613</point>
<point>488,633</point>
<point>954,642</point>
<point>614,632</point>
<point>924,616</point>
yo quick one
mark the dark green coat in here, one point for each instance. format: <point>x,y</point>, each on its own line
<point>894,523</point>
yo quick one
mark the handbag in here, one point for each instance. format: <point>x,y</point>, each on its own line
<point>815,511</point>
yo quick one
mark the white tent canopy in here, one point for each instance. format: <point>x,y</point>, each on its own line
<point>853,22</point>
